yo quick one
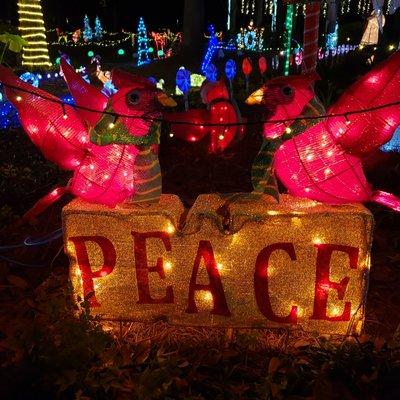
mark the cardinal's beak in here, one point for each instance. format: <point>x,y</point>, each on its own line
<point>256,97</point>
<point>165,100</point>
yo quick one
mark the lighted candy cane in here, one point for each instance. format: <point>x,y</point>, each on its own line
<point>310,37</point>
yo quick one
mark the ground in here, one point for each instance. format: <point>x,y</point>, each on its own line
<point>47,352</point>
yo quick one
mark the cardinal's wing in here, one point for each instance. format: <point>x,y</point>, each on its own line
<point>54,128</point>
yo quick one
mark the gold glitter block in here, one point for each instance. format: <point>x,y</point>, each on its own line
<point>296,264</point>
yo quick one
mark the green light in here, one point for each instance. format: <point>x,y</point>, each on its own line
<point>289,29</point>
<point>58,60</point>
<point>90,53</point>
<point>121,52</point>
<point>151,50</point>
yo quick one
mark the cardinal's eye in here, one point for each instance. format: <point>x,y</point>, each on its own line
<point>287,91</point>
<point>133,97</point>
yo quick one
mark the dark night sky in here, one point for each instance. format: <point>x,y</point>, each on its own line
<point>116,14</point>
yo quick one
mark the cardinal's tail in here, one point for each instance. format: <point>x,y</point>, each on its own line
<point>54,127</point>
<point>387,199</point>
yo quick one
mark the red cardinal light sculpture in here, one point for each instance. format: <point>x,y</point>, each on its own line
<point>103,172</point>
<point>286,98</point>
<point>324,163</point>
<point>221,111</point>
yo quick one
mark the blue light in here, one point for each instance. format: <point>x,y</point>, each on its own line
<point>230,69</point>
<point>109,89</point>
<point>183,80</point>
<point>68,99</point>
<point>393,145</point>
<point>87,30</point>
<point>211,73</point>
<point>98,29</point>
<point>332,39</point>
<point>30,78</point>
<point>143,47</point>
<point>212,45</point>
<point>8,114</point>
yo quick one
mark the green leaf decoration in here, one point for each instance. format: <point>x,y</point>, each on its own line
<point>14,43</point>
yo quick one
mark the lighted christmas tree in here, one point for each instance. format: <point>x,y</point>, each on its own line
<point>143,45</point>
<point>31,25</point>
<point>98,29</point>
<point>87,30</point>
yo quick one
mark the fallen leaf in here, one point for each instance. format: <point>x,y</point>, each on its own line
<point>17,281</point>
<point>273,365</point>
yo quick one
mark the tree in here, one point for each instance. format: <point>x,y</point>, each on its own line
<point>87,30</point>
<point>36,53</point>
<point>98,29</point>
<point>193,23</point>
<point>143,45</point>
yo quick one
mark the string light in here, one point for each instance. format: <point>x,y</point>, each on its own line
<point>87,30</point>
<point>98,29</point>
<point>288,41</point>
<point>202,125</point>
<point>143,47</point>
<point>31,21</point>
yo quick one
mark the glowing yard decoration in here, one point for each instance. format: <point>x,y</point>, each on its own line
<point>103,152</point>
<point>211,73</point>
<point>230,69</point>
<point>247,68</point>
<point>274,13</point>
<point>212,45</point>
<point>220,110</point>
<point>31,78</point>
<point>394,144</point>
<point>288,36</point>
<point>31,25</point>
<point>87,30</point>
<point>332,39</point>
<point>230,72</point>
<point>324,163</point>
<point>286,265</point>
<point>371,33</point>
<point>142,41</point>
<point>250,38</point>
<point>310,36</point>
<point>98,29</point>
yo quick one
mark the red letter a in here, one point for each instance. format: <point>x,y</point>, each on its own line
<point>220,307</point>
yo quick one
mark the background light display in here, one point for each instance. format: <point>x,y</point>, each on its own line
<point>31,25</point>
<point>142,43</point>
